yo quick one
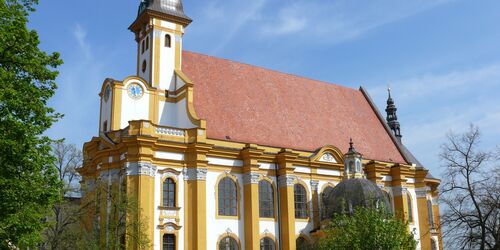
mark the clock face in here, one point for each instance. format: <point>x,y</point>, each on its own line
<point>107,93</point>
<point>135,91</point>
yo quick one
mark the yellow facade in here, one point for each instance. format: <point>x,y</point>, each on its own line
<point>142,154</point>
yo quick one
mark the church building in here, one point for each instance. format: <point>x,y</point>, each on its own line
<point>223,155</point>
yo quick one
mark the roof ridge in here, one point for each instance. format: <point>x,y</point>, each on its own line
<point>276,71</point>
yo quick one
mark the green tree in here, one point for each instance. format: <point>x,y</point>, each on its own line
<point>28,181</point>
<point>367,228</point>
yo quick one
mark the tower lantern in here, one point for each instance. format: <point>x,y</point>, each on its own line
<point>353,166</point>
<point>158,30</point>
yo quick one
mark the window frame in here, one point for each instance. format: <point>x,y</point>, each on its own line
<point>271,240</point>
<point>174,183</point>
<point>218,197</point>
<point>230,236</point>
<point>409,202</point>
<point>430,214</point>
<point>272,207</point>
<point>168,41</point>
<point>305,214</point>
<point>163,240</point>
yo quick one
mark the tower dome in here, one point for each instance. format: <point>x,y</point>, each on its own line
<point>168,7</point>
<point>352,193</point>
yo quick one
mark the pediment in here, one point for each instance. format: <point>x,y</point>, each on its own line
<point>328,154</point>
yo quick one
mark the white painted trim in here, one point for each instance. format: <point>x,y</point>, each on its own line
<point>169,156</point>
<point>300,169</point>
<point>328,172</point>
<point>386,178</point>
<point>224,162</point>
<point>265,165</point>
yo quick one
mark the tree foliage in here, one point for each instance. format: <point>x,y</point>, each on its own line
<point>116,219</point>
<point>64,221</point>
<point>367,228</point>
<point>28,181</point>
<point>470,193</point>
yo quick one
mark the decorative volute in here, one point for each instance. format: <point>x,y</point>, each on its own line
<point>353,166</point>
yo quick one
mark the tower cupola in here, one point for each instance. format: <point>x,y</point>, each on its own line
<point>172,8</point>
<point>392,118</point>
<point>353,166</point>
<point>159,28</point>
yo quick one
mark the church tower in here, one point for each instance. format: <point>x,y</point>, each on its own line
<point>158,30</point>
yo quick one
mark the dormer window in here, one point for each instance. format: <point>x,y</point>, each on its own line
<point>168,41</point>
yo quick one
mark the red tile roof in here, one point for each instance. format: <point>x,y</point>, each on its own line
<point>255,105</point>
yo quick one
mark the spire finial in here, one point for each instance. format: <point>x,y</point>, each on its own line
<point>392,118</point>
<point>351,144</point>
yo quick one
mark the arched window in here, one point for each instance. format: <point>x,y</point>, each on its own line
<point>227,197</point>
<point>168,41</point>
<point>147,42</point>
<point>168,193</point>
<point>300,196</point>
<point>410,208</point>
<point>301,243</point>
<point>168,242</point>
<point>267,244</point>
<point>430,213</point>
<point>143,46</point>
<point>228,243</point>
<point>266,199</point>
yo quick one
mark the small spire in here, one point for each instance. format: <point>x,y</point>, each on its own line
<point>392,118</point>
<point>352,150</point>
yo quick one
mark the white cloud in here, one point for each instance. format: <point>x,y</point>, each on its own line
<point>239,16</point>
<point>339,21</point>
<point>79,82</point>
<point>80,34</point>
<point>290,20</point>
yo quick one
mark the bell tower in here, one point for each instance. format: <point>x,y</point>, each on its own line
<point>158,30</point>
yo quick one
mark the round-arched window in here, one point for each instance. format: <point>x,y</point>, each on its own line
<point>228,243</point>
<point>267,244</point>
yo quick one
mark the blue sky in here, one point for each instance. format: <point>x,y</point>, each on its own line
<point>441,58</point>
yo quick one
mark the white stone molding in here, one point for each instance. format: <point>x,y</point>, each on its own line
<point>286,180</point>
<point>327,157</point>
<point>422,192</point>
<point>399,191</point>
<point>195,174</point>
<point>170,131</point>
<point>314,185</point>
<point>251,178</point>
<point>140,168</point>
